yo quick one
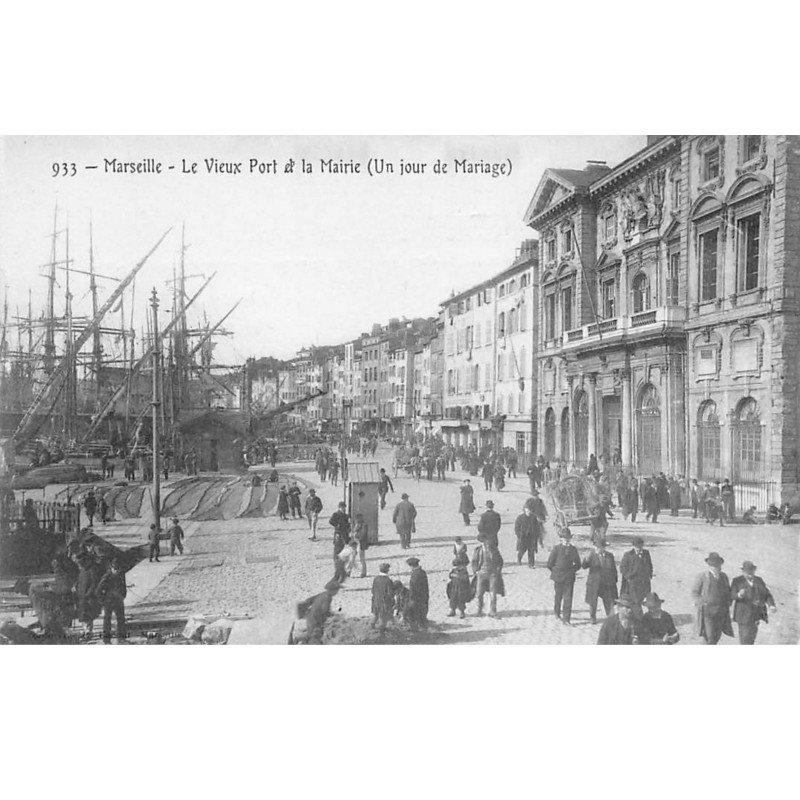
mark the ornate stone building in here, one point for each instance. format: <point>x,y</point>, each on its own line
<point>611,342</point>
<point>669,303</point>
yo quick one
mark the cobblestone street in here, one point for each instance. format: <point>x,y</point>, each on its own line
<point>261,567</point>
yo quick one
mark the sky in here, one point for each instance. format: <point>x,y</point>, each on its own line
<point>315,258</point>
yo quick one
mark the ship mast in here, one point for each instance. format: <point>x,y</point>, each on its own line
<point>50,322</point>
<point>97,349</point>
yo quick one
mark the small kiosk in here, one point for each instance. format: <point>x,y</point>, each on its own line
<point>364,479</point>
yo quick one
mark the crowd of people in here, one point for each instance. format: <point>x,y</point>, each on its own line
<point>634,611</point>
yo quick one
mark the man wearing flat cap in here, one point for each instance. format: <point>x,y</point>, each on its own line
<point>404,518</point>
<point>657,626</point>
<point>418,595</point>
<point>620,628</point>
<point>636,570</point>
<point>711,593</point>
<point>751,599</point>
<point>563,563</point>
<point>489,525</point>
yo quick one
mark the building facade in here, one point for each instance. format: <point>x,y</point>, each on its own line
<point>669,299</point>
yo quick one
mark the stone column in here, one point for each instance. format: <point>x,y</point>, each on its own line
<point>571,389</point>
<point>592,446</point>
<point>627,420</point>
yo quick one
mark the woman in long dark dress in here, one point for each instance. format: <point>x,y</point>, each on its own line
<point>283,503</point>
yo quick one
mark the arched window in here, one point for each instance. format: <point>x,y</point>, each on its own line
<point>582,429</point>
<point>549,434</point>
<point>648,442</point>
<point>641,293</point>
<point>501,324</point>
<point>708,455</point>
<point>564,434</point>
<point>747,460</point>
<point>501,372</point>
<point>512,321</point>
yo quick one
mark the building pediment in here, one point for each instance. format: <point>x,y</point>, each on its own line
<point>554,187</point>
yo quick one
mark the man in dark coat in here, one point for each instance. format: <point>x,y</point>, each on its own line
<point>563,563</point>
<point>418,595</point>
<point>711,593</point>
<point>294,500</point>
<point>90,506</point>
<point>751,599</point>
<point>674,497</point>
<point>728,498</point>
<point>488,475</point>
<point>154,539</point>
<point>489,524</point>
<point>404,518</point>
<point>534,476</point>
<point>539,512</point>
<point>633,498</point>
<point>111,592</point>
<point>652,503</point>
<point>340,523</point>
<point>487,566</point>
<point>620,628</point>
<point>657,626</point>
<point>384,484</point>
<point>602,579</point>
<point>636,569</point>
<point>527,533</point>
<point>382,598</point>
<point>467,504</point>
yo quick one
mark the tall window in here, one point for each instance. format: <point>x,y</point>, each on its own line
<point>487,376</point>
<point>566,308</point>
<point>672,279</point>
<point>522,367</point>
<point>711,163</point>
<point>550,316</point>
<point>709,246</point>
<point>501,324</point>
<point>608,298</point>
<point>470,337</point>
<point>747,463</point>
<point>566,240</point>
<point>501,372</point>
<point>476,378</point>
<point>641,293</point>
<point>522,315</point>
<point>751,147</point>
<point>512,321</point>
<point>609,226</point>
<point>550,250</point>
<point>708,441</point>
<point>748,239</point>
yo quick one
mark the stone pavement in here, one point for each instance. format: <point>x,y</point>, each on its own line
<point>261,567</point>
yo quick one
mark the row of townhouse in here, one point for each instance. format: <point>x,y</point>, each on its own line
<point>654,321</point>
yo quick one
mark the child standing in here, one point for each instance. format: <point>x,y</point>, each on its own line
<point>460,551</point>
<point>459,589</point>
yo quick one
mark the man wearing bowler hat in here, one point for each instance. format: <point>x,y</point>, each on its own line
<point>636,570</point>
<point>620,628</point>
<point>404,518</point>
<point>711,593</point>
<point>563,563</point>
<point>657,626</point>
<point>751,599</point>
<point>489,525</point>
<point>601,583</point>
